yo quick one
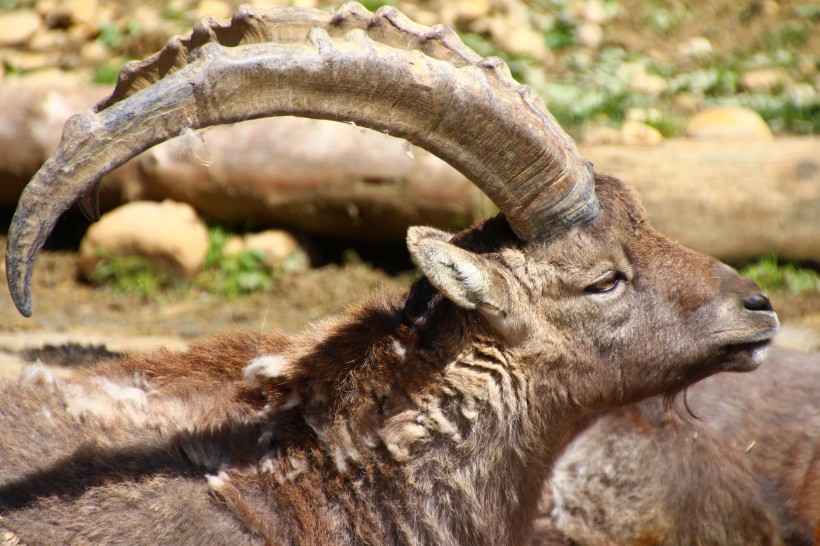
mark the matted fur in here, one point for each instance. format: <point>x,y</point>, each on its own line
<point>743,471</point>
<point>410,420</point>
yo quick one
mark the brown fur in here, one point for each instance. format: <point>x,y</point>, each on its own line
<point>430,418</point>
<point>745,471</point>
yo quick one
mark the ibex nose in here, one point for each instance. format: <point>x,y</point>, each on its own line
<point>758,302</point>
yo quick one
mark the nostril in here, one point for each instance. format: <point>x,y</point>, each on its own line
<point>758,302</point>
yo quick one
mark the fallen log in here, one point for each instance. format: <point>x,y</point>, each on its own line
<point>718,197</point>
<point>733,200</point>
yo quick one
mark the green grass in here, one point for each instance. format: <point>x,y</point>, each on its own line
<point>233,274</point>
<point>108,72</point>
<point>773,276</point>
<point>131,275</point>
<point>222,274</point>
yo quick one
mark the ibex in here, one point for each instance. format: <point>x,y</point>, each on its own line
<point>742,469</point>
<point>424,418</point>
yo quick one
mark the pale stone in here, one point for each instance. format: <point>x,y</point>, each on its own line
<point>627,71</point>
<point>275,245</point>
<point>803,92</point>
<point>765,79</point>
<point>169,234</point>
<point>807,66</point>
<point>473,9</point>
<point>47,40</point>
<point>56,78</point>
<point>93,53</point>
<point>25,61</point>
<point>590,35</point>
<point>729,122</point>
<point>644,115</point>
<point>82,11</point>
<point>635,133</point>
<point>516,37</point>
<point>651,84</point>
<point>214,8</point>
<point>592,11</point>
<point>601,135</point>
<point>695,47</point>
<point>16,27</point>
<point>688,102</point>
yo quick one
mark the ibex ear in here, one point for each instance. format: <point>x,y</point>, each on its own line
<point>467,279</point>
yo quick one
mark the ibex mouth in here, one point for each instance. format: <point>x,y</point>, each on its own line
<point>748,356</point>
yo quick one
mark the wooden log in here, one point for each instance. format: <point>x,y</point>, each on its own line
<point>734,200</point>
<point>319,176</point>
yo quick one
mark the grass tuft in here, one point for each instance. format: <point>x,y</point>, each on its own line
<point>773,276</point>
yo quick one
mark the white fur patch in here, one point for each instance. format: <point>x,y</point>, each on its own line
<point>267,366</point>
<point>401,432</point>
<point>38,374</point>
<point>472,277</point>
<point>218,481</point>
<point>268,464</point>
<point>399,349</point>
<point>108,401</point>
<point>292,401</point>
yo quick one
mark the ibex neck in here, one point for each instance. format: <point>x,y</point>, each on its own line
<point>424,438</point>
<point>456,461</point>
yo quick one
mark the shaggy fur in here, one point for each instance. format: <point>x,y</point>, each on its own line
<point>429,418</point>
<point>745,471</point>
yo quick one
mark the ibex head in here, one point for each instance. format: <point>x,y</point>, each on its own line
<point>570,275</point>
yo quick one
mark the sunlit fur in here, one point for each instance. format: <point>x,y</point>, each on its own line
<point>410,420</point>
<point>743,471</point>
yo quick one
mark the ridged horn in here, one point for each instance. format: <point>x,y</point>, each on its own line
<point>379,70</point>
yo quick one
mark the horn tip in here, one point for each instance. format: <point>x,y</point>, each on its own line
<point>18,275</point>
<point>20,290</point>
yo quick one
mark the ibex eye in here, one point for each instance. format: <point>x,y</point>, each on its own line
<point>607,283</point>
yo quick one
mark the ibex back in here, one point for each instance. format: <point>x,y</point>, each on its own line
<point>424,418</point>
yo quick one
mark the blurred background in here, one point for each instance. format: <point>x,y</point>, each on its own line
<point>710,108</point>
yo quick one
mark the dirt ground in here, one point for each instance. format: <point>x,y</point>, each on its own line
<point>69,312</point>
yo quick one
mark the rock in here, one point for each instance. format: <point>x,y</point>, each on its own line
<point>695,48</point>
<point>93,53</point>
<point>807,66</point>
<point>803,92</point>
<point>688,102</point>
<point>635,76</point>
<point>48,40</point>
<point>275,245</point>
<point>729,122</point>
<point>514,36</point>
<point>592,11</point>
<point>473,9</point>
<point>635,133</point>
<point>25,61</point>
<point>169,234</point>
<point>81,11</point>
<point>651,84</point>
<point>765,79</point>
<point>601,135</point>
<point>56,79</point>
<point>214,8</point>
<point>590,35</point>
<point>16,27</point>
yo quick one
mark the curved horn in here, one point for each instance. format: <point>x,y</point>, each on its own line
<point>377,70</point>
